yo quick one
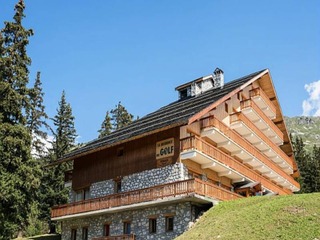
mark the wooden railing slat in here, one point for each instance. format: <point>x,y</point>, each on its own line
<point>178,188</point>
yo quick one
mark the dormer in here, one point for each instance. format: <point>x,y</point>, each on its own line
<point>201,85</point>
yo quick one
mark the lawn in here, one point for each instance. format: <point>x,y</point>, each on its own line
<point>279,217</point>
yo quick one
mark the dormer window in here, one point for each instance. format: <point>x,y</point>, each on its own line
<point>201,85</point>
<point>184,93</point>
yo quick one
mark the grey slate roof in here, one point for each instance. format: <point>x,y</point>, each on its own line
<point>176,113</point>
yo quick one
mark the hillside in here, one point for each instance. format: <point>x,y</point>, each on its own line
<point>306,127</point>
<point>279,217</point>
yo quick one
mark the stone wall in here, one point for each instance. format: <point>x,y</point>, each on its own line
<point>101,189</point>
<point>182,212</point>
<point>145,179</point>
<point>157,176</point>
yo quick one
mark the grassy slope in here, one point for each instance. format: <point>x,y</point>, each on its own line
<point>280,217</point>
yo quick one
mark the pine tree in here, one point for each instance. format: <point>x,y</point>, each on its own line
<point>120,117</point>
<point>19,172</point>
<point>106,126</point>
<point>36,117</point>
<point>315,170</point>
<point>65,133</point>
<point>52,188</point>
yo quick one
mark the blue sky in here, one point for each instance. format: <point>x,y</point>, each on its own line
<point>101,52</point>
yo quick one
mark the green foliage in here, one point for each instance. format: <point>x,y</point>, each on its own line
<point>106,126</point>
<point>14,71</point>
<point>65,133</point>
<point>308,165</point>
<point>279,217</point>
<point>120,117</point>
<point>36,116</point>
<point>19,178</point>
<point>52,191</point>
<point>19,172</point>
<point>35,225</point>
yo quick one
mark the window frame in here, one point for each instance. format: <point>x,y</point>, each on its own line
<point>169,223</point>
<point>85,233</point>
<point>73,233</point>
<point>127,227</point>
<point>106,229</point>
<point>152,225</point>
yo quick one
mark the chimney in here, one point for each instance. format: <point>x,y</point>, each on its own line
<point>201,85</point>
<point>218,78</point>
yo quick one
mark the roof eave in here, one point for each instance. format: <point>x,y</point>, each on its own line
<point>225,97</point>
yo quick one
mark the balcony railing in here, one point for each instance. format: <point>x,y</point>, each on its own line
<point>256,92</point>
<point>234,136</point>
<point>195,143</point>
<point>118,237</point>
<point>180,188</point>
<point>251,104</point>
<point>241,117</point>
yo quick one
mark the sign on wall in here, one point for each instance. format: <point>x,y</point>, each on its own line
<point>165,148</point>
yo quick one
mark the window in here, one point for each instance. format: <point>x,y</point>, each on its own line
<point>184,93</point>
<point>106,230</point>
<point>152,225</point>
<point>73,234</point>
<point>117,186</point>
<point>82,194</point>
<point>169,224</point>
<point>126,227</point>
<point>85,233</point>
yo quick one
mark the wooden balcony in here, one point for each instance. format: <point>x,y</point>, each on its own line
<point>242,125</point>
<point>118,237</point>
<point>170,190</point>
<point>263,101</point>
<point>196,144</point>
<point>258,117</point>
<point>246,151</point>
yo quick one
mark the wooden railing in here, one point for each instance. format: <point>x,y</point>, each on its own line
<point>249,103</point>
<point>195,143</point>
<point>245,144</point>
<point>241,117</point>
<point>180,188</point>
<point>259,92</point>
<point>118,237</point>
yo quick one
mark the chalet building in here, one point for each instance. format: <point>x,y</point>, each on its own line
<point>152,179</point>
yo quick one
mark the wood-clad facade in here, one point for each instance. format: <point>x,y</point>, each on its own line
<point>124,159</point>
<point>216,143</point>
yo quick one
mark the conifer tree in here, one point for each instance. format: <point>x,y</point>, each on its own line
<point>19,172</point>
<point>120,117</point>
<point>36,117</point>
<point>106,126</point>
<point>302,158</point>
<point>315,170</point>
<point>65,133</point>
<point>52,188</point>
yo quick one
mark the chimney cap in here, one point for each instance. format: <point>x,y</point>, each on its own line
<point>218,71</point>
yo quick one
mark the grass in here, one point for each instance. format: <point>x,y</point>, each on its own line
<point>290,217</point>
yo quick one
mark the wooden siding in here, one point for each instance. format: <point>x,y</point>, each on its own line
<point>138,155</point>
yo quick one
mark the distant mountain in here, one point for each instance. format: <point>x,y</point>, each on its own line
<point>306,127</point>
